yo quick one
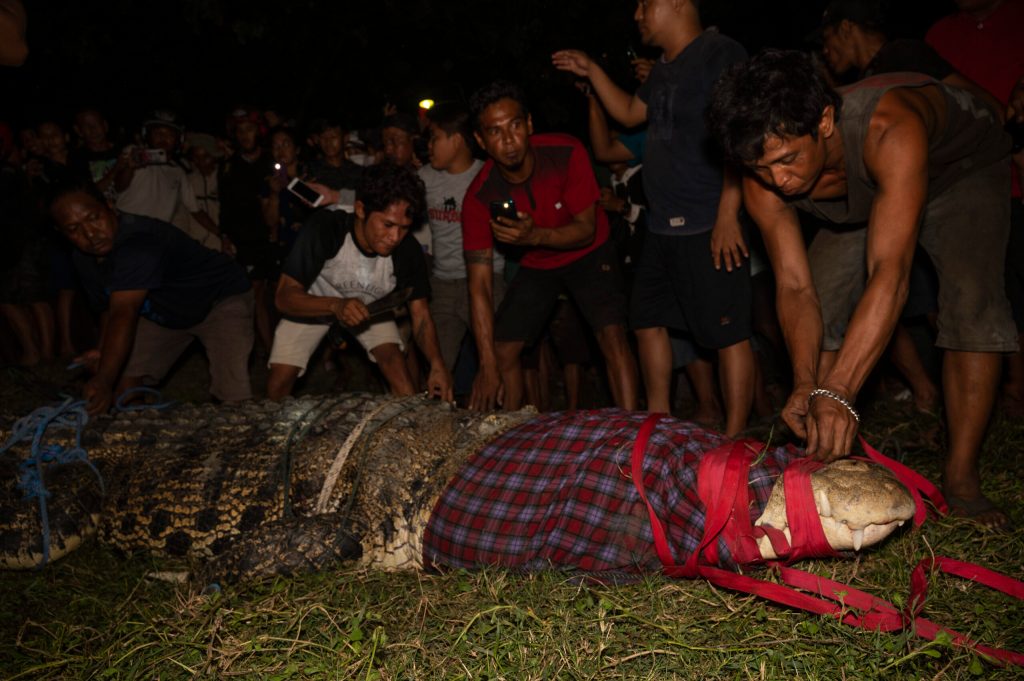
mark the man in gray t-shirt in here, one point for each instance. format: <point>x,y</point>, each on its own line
<point>451,170</point>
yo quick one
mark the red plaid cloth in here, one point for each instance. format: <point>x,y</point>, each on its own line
<point>557,492</point>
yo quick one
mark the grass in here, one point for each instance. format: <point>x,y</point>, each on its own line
<point>96,614</point>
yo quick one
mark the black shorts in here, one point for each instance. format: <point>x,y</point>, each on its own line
<point>677,286</point>
<point>568,334</point>
<point>594,282</point>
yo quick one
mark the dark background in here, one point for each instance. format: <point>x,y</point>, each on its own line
<point>307,57</point>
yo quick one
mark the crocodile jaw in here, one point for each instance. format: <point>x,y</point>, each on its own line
<point>859,504</point>
<point>840,537</point>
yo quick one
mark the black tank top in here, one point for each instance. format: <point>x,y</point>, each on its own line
<point>971,139</point>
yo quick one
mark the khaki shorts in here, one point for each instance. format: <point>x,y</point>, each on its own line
<point>964,230</point>
<point>294,342</point>
<point>227,336</point>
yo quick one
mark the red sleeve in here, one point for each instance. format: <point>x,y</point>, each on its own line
<point>581,191</point>
<point>476,221</point>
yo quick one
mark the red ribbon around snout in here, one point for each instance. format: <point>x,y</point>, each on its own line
<point>723,489</point>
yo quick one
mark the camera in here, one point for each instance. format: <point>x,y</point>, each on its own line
<point>504,209</point>
<point>305,192</point>
<point>148,157</point>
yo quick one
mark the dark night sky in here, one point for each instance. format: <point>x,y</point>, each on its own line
<point>202,57</point>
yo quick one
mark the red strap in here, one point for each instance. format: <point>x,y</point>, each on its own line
<point>636,468</point>
<point>879,614</point>
<point>912,480</point>
<point>718,486</point>
<point>723,488</point>
<point>722,472</point>
<point>975,573</point>
<point>808,539</point>
<point>776,537</point>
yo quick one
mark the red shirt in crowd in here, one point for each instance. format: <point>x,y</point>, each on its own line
<point>561,186</point>
<point>989,52</point>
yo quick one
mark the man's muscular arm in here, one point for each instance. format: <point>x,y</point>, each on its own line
<point>291,298</point>
<point>439,381</point>
<point>796,299</point>
<point>115,347</point>
<point>488,391</point>
<point>896,156</point>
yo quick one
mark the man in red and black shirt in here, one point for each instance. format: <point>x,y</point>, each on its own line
<point>562,236</point>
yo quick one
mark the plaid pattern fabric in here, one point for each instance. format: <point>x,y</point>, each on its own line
<point>557,492</point>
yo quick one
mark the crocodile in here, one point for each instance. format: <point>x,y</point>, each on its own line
<point>261,488</point>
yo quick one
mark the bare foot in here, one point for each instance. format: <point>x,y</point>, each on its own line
<point>980,509</point>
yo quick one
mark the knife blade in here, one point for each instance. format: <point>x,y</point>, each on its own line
<point>390,302</point>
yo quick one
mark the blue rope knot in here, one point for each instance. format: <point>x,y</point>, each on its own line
<point>30,479</point>
<point>69,414</point>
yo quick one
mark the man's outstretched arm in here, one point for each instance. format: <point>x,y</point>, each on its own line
<point>488,391</point>
<point>439,381</point>
<point>796,299</point>
<point>896,156</point>
<point>115,347</point>
<point>627,109</point>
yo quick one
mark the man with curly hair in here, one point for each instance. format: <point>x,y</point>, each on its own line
<point>919,162</point>
<point>339,264</point>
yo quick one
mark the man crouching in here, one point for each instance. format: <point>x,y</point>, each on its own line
<point>157,290</point>
<point>342,262</point>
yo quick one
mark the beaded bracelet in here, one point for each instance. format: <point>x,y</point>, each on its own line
<point>824,392</point>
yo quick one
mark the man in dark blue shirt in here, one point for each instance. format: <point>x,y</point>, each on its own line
<point>689,275</point>
<point>158,290</point>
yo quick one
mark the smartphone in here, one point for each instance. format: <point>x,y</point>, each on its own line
<point>305,192</point>
<point>148,157</point>
<point>504,209</point>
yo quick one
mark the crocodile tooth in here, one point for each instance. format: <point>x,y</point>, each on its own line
<point>858,538</point>
<point>824,507</point>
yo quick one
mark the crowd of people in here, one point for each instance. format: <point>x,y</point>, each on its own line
<point>793,204</point>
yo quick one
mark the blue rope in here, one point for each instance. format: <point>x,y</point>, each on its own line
<point>69,414</point>
<point>121,406</point>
